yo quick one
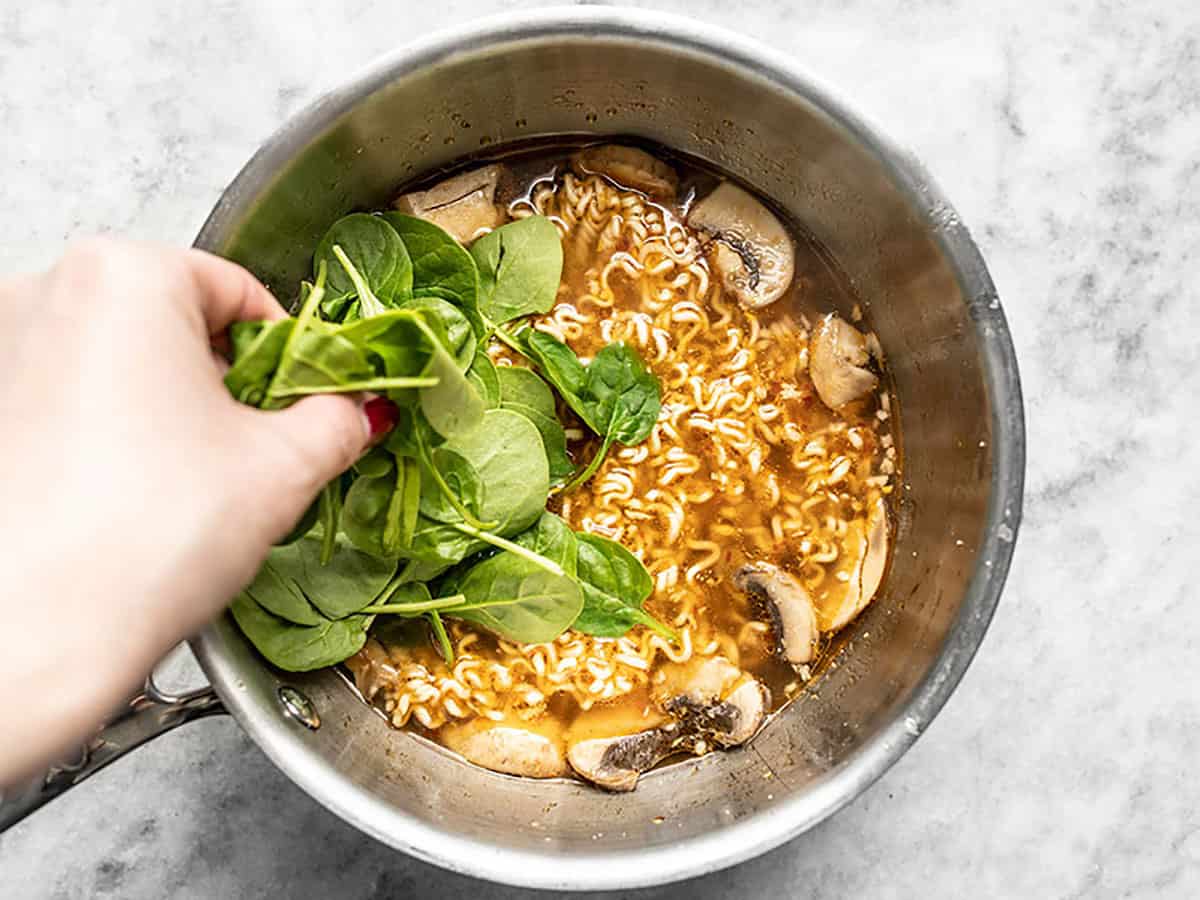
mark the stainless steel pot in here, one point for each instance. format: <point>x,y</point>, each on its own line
<point>752,112</point>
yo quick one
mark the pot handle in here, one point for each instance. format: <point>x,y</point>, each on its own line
<point>148,714</point>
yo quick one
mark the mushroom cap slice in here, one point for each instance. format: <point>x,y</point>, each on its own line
<point>617,762</point>
<point>629,167</point>
<point>464,206</point>
<point>513,751</point>
<point>750,700</point>
<point>727,722</point>
<point>751,250</point>
<point>699,722</point>
<point>789,606</point>
<point>868,543</point>
<point>837,352</point>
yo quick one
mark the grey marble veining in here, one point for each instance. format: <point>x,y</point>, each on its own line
<point>1068,136</point>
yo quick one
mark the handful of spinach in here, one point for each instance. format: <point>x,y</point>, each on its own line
<point>447,518</point>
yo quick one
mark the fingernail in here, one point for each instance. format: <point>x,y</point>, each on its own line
<point>382,415</point>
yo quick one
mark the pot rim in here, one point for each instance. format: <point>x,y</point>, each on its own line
<point>788,817</point>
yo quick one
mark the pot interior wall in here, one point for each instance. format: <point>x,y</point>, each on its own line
<point>820,171</point>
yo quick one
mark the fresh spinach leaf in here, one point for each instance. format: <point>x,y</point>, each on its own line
<point>299,648</point>
<point>623,400</point>
<point>452,406</point>
<point>257,348</point>
<point>561,367</point>
<point>449,472</point>
<point>483,375</point>
<point>552,538</point>
<point>517,599</point>
<point>615,585</point>
<point>438,544</point>
<point>376,252</point>
<point>554,442</point>
<point>460,336</point>
<point>624,396</point>
<point>376,514</point>
<point>441,266</point>
<point>524,386</point>
<point>506,451</point>
<point>278,593</point>
<point>351,580</point>
<point>520,266</point>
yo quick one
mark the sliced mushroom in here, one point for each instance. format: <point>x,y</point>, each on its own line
<point>837,352</point>
<point>750,250</point>
<point>699,723</point>
<point>629,167</point>
<point>867,543</point>
<point>514,751</point>
<point>464,206</point>
<point>615,763</point>
<point>727,722</point>
<point>788,605</point>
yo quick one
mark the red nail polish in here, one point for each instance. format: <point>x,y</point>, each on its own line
<point>382,415</point>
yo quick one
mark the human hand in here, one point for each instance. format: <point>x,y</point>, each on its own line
<point>136,496</point>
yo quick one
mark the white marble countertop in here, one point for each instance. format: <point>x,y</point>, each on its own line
<point>1067,135</point>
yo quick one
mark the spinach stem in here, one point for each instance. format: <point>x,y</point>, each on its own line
<point>443,639</point>
<point>496,541</point>
<point>483,604</point>
<point>368,304</point>
<point>591,468</point>
<point>329,509</point>
<point>505,336</point>
<point>421,606</point>
<point>369,384</point>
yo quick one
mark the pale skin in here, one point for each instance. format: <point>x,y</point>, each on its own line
<point>136,496</point>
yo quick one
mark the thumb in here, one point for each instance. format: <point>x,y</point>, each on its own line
<point>299,449</point>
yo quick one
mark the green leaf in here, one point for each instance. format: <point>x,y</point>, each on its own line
<point>483,375</point>
<point>615,585</point>
<point>552,538</point>
<point>317,361</point>
<point>438,544</point>
<point>278,593</point>
<point>554,441</point>
<point>561,367</point>
<point>520,266</point>
<point>625,398</point>
<point>506,450</point>
<point>377,253</point>
<point>257,348</point>
<point>441,266</point>
<point>351,580</point>
<point>460,336</point>
<point>622,399</point>
<point>375,515</point>
<point>452,406</point>
<point>459,476</point>
<point>538,606</point>
<point>524,386</point>
<point>299,648</point>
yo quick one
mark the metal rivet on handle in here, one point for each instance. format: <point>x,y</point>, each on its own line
<point>299,707</point>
